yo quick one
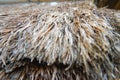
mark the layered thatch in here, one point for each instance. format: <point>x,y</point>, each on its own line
<point>68,41</point>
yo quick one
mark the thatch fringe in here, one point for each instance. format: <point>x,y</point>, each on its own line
<point>73,35</point>
<point>35,71</point>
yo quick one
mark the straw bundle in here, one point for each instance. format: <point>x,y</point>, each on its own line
<point>68,41</point>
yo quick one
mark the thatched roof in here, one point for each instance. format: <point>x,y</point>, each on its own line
<point>64,41</point>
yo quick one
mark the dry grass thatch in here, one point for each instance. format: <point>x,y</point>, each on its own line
<point>68,41</point>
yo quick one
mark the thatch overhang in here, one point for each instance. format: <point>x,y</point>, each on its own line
<point>67,41</point>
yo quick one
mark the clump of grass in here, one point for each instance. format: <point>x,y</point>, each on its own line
<point>77,36</point>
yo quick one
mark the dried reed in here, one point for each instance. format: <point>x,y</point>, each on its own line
<point>68,41</point>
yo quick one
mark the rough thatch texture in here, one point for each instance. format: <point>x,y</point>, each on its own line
<point>69,41</point>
